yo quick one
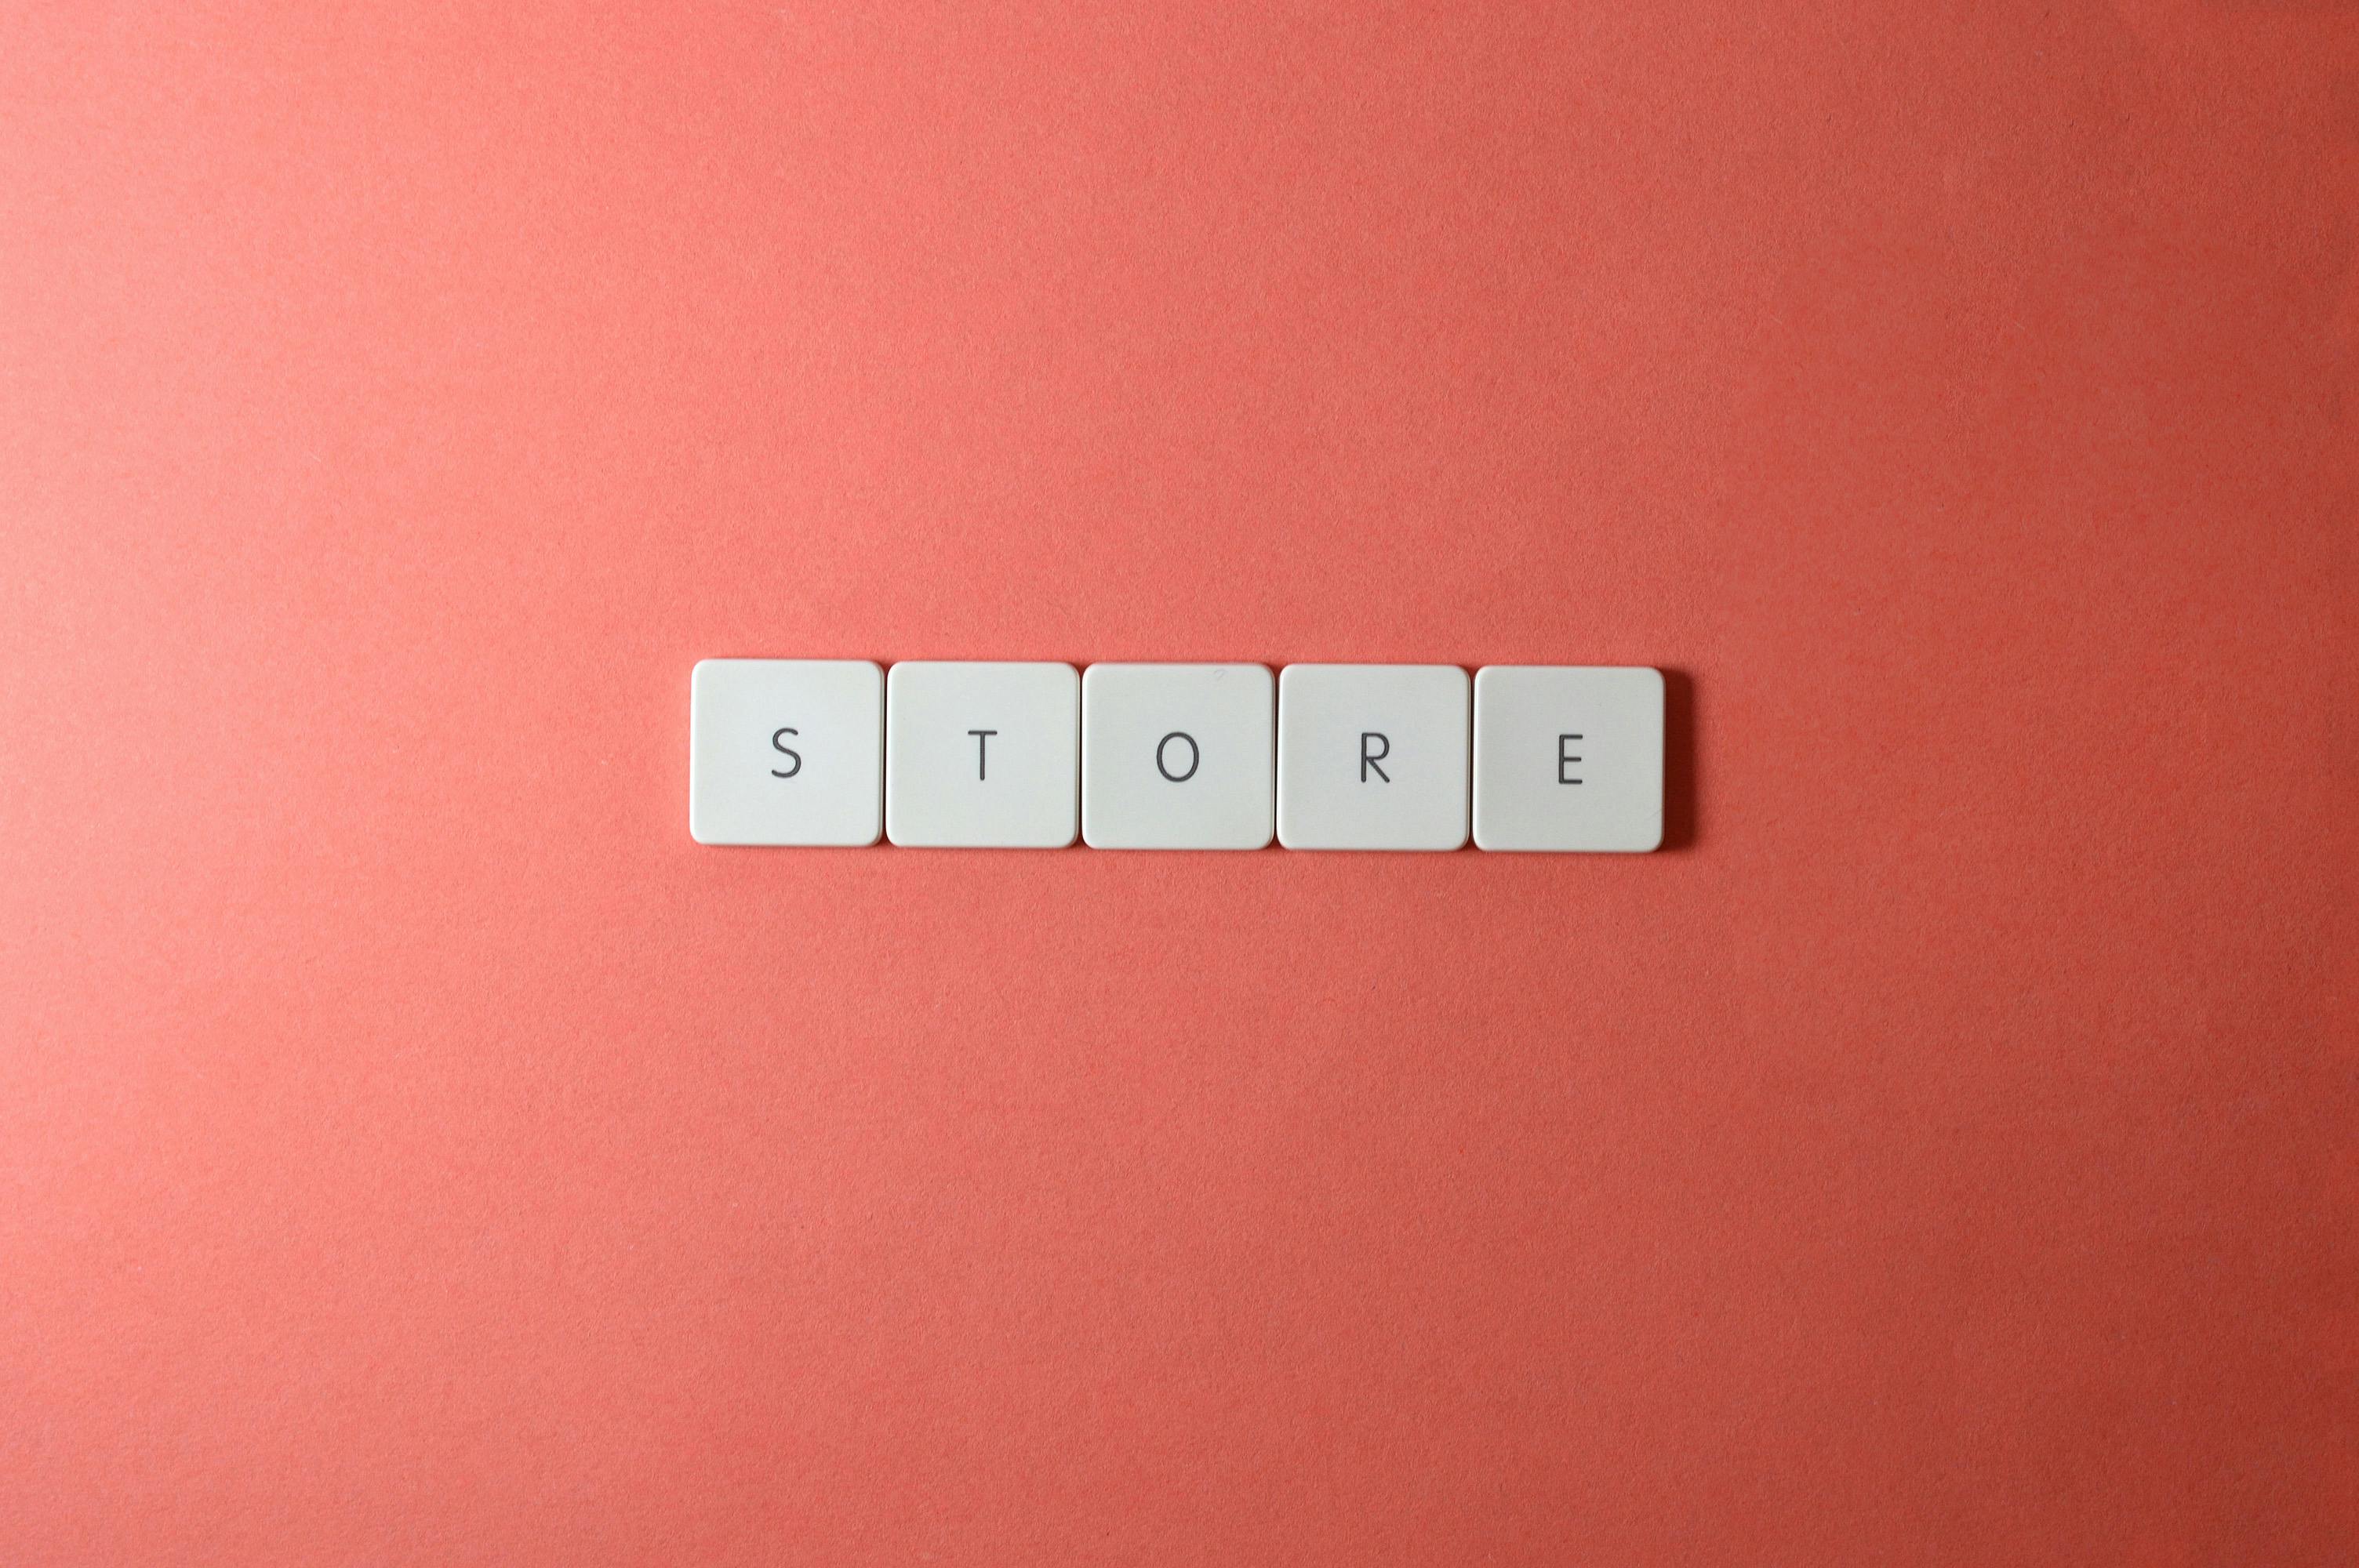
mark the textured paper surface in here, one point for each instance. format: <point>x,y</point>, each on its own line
<point>413,1149</point>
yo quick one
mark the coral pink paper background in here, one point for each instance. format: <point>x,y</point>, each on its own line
<point>413,1149</point>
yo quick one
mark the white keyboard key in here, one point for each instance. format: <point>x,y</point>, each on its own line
<point>1372,756</point>
<point>786,752</point>
<point>1177,756</point>
<point>982,755</point>
<point>1568,757</point>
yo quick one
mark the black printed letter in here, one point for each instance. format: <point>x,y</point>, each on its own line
<point>1564,759</point>
<point>981,745</point>
<point>1194,756</point>
<point>1370,759</point>
<point>777,740</point>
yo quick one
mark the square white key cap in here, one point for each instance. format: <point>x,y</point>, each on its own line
<point>1372,756</point>
<point>1177,756</point>
<point>982,755</point>
<point>1568,757</point>
<point>786,752</point>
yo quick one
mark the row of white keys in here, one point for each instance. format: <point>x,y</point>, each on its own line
<point>958,755</point>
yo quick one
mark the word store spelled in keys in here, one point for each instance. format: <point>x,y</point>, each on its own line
<point>979,755</point>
